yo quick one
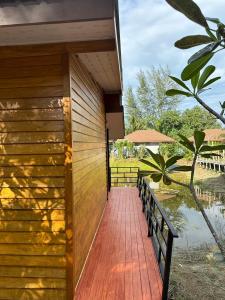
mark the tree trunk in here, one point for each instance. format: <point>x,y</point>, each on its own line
<point>209,224</point>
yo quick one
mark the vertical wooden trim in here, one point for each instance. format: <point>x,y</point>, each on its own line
<point>68,177</point>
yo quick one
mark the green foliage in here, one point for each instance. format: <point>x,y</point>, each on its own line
<point>123,149</point>
<point>197,118</point>
<point>161,168</point>
<point>169,150</point>
<point>133,113</point>
<point>222,107</point>
<point>119,146</point>
<point>199,81</point>
<point>173,92</point>
<point>214,40</point>
<point>205,75</point>
<point>130,148</point>
<point>193,68</point>
<point>186,143</point>
<point>147,104</point>
<point>174,122</point>
<point>198,147</point>
<point>207,50</point>
<point>144,106</point>
<point>192,41</point>
<point>141,152</point>
<point>190,9</point>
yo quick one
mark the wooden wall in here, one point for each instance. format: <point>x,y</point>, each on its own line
<point>89,159</point>
<point>32,213</point>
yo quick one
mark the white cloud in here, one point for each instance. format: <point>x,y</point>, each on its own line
<point>149,29</point>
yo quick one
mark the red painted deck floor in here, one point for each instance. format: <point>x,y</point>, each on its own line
<point>122,263</point>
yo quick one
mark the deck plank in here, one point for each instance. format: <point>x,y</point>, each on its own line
<point>122,263</point>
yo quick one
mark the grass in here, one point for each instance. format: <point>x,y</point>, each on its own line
<point>129,162</point>
<point>196,275</point>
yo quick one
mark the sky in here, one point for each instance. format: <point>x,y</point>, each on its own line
<point>149,29</point>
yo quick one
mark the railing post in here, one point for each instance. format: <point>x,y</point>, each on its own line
<point>150,226</point>
<point>144,197</point>
<point>150,207</point>
<point>166,277</point>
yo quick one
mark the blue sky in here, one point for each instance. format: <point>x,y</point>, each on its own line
<point>149,29</point>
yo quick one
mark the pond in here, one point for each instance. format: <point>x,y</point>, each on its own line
<point>187,219</point>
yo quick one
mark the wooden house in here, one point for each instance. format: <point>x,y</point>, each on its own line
<point>149,138</point>
<point>60,90</point>
<point>214,136</point>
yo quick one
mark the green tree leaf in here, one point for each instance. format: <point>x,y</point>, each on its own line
<point>201,53</point>
<point>193,41</point>
<point>190,9</point>
<point>182,169</point>
<point>207,148</point>
<point>173,92</point>
<point>209,70</point>
<point>158,158</point>
<point>150,164</point>
<point>172,160</point>
<point>199,137</point>
<point>222,105</point>
<point>166,180</point>
<point>210,155</point>
<point>156,177</point>
<point>181,83</point>
<point>194,67</point>
<point>213,20</point>
<point>211,81</point>
<point>194,80</point>
<point>186,143</point>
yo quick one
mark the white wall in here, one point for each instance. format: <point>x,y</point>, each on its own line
<point>154,147</point>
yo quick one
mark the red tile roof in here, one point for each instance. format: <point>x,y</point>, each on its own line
<point>148,136</point>
<point>213,135</point>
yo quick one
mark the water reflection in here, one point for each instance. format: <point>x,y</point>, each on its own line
<point>187,219</point>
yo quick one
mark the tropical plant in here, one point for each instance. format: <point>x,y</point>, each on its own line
<point>162,169</point>
<point>141,152</point>
<point>195,79</point>
<point>195,71</point>
<point>123,149</point>
<point>130,149</point>
<point>118,148</point>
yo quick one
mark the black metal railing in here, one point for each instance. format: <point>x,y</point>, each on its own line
<point>124,176</point>
<point>160,229</point>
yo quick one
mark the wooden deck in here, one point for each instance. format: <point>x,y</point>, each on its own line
<point>122,263</point>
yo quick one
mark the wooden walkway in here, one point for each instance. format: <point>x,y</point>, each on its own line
<point>122,263</point>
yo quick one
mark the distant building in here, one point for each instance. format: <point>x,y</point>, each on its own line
<point>212,136</point>
<point>150,138</point>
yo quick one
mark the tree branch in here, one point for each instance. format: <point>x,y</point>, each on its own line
<point>201,208</point>
<point>177,182</point>
<point>209,109</point>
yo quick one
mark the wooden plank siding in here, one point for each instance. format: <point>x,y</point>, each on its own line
<point>53,185</point>
<point>32,178</point>
<point>89,159</point>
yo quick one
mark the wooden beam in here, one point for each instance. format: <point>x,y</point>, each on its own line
<point>57,48</point>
